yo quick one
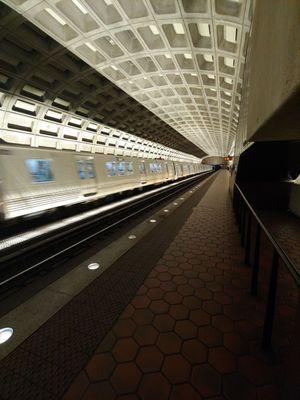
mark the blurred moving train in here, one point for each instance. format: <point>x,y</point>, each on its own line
<point>38,180</point>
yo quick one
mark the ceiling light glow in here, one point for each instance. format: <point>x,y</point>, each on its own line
<point>178,28</point>
<point>230,34</point>
<point>208,57</point>
<point>154,29</point>
<point>91,46</point>
<point>204,29</point>
<point>55,16</point>
<point>80,7</point>
<point>229,62</point>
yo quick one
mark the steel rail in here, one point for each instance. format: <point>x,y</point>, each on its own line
<point>23,238</point>
<point>134,200</point>
<point>289,264</point>
<point>241,206</point>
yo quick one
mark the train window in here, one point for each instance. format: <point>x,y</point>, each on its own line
<point>85,169</point>
<point>142,168</point>
<point>121,168</point>
<point>89,168</point>
<point>40,170</point>
<point>80,169</point>
<point>111,168</point>
<point>130,168</point>
<point>153,167</point>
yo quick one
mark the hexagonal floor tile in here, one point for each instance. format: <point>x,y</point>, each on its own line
<point>222,360</point>
<point>212,307</point>
<point>126,378</point>
<point>176,369</point>
<point>105,388</point>
<point>206,380</point>
<point>200,317</point>
<point>164,323</point>
<point>185,329</point>
<point>154,386</point>
<point>210,336</point>
<point>184,391</point>
<point>150,359</point>
<point>155,293</point>
<point>145,335</point>
<point>169,343</point>
<point>100,367</point>
<point>125,350</point>
<point>173,298</point>
<point>235,343</point>
<point>143,316</point>
<point>223,323</point>
<point>159,306</point>
<point>194,351</point>
<point>124,328</point>
<point>179,311</point>
<point>140,301</point>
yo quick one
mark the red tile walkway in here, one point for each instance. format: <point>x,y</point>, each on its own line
<point>192,331</point>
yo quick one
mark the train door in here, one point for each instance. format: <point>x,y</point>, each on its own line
<point>174,170</point>
<point>167,171</point>
<point>87,176</point>
<point>178,170</point>
<point>143,173</point>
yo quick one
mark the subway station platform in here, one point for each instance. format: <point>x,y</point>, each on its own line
<point>171,319</point>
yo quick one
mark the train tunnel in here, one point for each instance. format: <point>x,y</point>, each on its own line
<point>149,199</point>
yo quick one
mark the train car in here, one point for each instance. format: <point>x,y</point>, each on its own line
<point>35,180</point>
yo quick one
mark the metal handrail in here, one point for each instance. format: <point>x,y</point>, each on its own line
<point>289,264</point>
<point>278,253</point>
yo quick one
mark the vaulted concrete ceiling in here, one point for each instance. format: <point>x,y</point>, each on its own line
<point>181,59</point>
<point>35,66</point>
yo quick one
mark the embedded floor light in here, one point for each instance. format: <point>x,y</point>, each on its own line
<point>5,334</point>
<point>93,266</point>
<point>166,210</point>
<point>175,204</point>
<point>131,237</point>
<point>152,221</point>
<point>181,198</point>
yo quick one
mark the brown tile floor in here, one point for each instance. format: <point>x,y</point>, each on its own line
<point>192,331</point>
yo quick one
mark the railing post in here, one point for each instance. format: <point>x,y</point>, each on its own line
<point>254,278</point>
<point>248,239</point>
<point>271,301</point>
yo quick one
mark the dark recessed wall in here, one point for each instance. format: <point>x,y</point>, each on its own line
<point>265,171</point>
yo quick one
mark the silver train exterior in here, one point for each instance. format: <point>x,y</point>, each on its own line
<point>34,180</point>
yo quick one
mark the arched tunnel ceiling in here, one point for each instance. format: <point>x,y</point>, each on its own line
<point>181,59</point>
<point>31,57</point>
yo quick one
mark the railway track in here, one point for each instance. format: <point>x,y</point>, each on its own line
<point>41,249</point>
